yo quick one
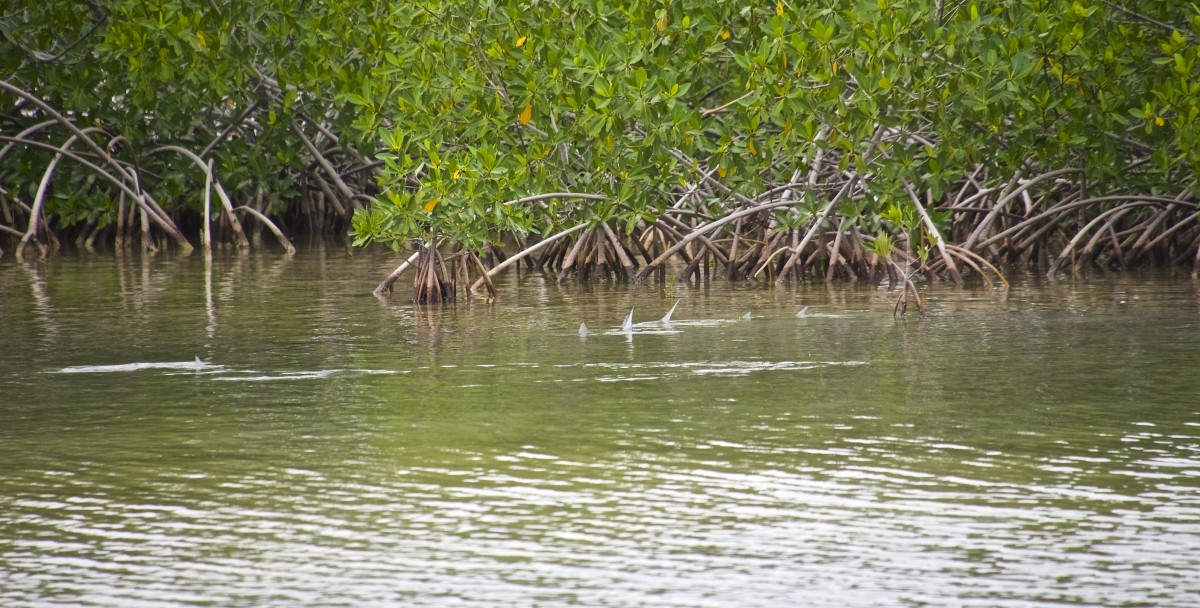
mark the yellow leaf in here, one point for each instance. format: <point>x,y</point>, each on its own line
<point>721,171</point>
<point>200,40</point>
<point>779,8</point>
<point>1158,120</point>
<point>271,118</point>
<point>661,24</point>
<point>520,42</point>
<point>433,202</point>
<point>750,147</point>
<point>526,114</point>
<point>724,34</point>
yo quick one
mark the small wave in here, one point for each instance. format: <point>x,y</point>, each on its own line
<point>301,375</point>
<point>196,365</point>
<point>648,371</point>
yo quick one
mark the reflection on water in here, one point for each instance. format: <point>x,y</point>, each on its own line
<point>292,441</point>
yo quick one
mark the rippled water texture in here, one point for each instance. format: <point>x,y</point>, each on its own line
<point>275,436</point>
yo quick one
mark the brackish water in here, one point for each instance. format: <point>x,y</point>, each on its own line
<point>275,436</point>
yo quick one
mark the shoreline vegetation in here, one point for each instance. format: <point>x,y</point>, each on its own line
<point>774,143</point>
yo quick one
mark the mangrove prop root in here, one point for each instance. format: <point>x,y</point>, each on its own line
<point>283,240</point>
<point>386,285</point>
<point>569,261</point>
<point>432,284</point>
<point>487,281</point>
<point>533,248</point>
<point>619,250</point>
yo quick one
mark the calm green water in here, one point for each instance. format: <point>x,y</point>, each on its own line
<point>1040,447</point>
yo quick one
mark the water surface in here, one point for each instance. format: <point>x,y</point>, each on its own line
<point>271,435</point>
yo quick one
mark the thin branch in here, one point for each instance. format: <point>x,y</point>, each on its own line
<point>539,197</point>
<point>724,106</point>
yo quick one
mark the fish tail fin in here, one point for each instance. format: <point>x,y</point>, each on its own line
<point>667,318</point>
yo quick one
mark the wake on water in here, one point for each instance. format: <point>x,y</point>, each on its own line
<point>196,365</point>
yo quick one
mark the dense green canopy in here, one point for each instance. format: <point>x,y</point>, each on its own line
<point>646,103</point>
<point>823,135</point>
<point>250,86</point>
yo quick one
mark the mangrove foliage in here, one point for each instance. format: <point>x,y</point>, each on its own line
<point>130,123</point>
<point>772,141</point>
